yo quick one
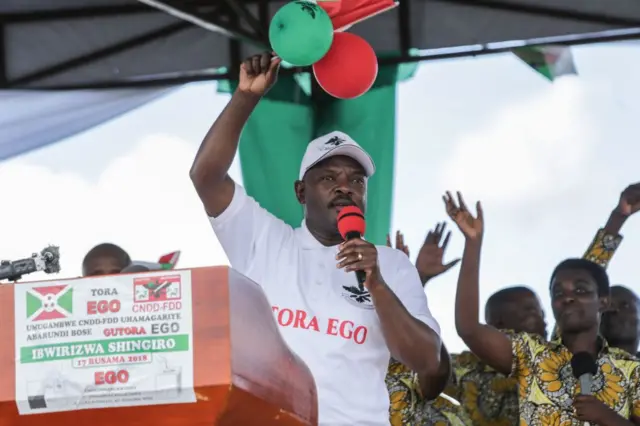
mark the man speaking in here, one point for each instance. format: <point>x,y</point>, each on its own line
<point>345,333</point>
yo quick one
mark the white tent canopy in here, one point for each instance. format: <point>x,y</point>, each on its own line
<point>33,119</point>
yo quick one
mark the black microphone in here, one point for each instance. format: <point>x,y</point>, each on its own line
<point>361,276</point>
<point>584,368</point>
<point>351,225</point>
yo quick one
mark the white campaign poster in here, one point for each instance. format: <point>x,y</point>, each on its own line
<point>111,341</point>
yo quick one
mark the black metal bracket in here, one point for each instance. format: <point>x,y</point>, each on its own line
<point>195,16</point>
<point>404,25</point>
<point>65,14</point>
<point>241,12</point>
<point>97,55</point>
<point>3,57</point>
<point>235,49</point>
<point>434,54</point>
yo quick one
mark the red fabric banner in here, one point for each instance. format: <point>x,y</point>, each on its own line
<point>345,13</point>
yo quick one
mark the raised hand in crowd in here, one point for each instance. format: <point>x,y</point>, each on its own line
<point>400,245</point>
<point>430,257</point>
<point>608,238</point>
<point>628,205</point>
<point>629,201</point>
<point>489,344</point>
<point>472,227</point>
<point>430,260</point>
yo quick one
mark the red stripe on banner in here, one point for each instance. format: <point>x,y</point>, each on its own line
<point>49,290</point>
<point>49,315</point>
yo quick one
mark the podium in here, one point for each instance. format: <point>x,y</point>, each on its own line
<point>244,374</point>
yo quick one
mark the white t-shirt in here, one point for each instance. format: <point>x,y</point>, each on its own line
<point>321,313</point>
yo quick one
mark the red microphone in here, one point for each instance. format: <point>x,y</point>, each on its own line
<point>351,225</point>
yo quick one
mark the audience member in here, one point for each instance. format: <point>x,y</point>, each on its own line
<point>547,391</point>
<point>608,238</point>
<point>410,405</point>
<point>620,323</point>
<point>105,259</point>
<point>487,396</point>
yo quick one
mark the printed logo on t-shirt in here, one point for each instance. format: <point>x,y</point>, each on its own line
<point>357,297</point>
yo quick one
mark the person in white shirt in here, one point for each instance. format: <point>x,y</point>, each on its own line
<point>344,334</point>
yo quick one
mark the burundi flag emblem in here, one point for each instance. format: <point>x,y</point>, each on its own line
<point>49,303</point>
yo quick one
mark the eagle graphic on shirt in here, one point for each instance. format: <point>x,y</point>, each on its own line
<point>357,294</point>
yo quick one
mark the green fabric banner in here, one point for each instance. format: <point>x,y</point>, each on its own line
<point>277,134</point>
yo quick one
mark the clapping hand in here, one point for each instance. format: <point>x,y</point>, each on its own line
<point>472,227</point>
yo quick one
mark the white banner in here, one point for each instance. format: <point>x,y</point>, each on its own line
<point>111,341</point>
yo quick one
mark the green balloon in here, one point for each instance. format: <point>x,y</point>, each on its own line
<point>301,33</point>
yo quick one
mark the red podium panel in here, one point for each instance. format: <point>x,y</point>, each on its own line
<point>244,373</point>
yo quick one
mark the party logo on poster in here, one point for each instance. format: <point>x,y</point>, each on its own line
<point>157,289</point>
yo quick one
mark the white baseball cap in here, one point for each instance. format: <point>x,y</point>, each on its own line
<point>332,144</point>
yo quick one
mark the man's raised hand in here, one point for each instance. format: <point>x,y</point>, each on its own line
<point>472,227</point>
<point>259,73</point>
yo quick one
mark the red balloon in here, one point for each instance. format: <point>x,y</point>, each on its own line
<point>349,68</point>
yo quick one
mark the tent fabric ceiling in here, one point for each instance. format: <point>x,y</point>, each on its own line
<point>32,119</point>
<point>99,43</point>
